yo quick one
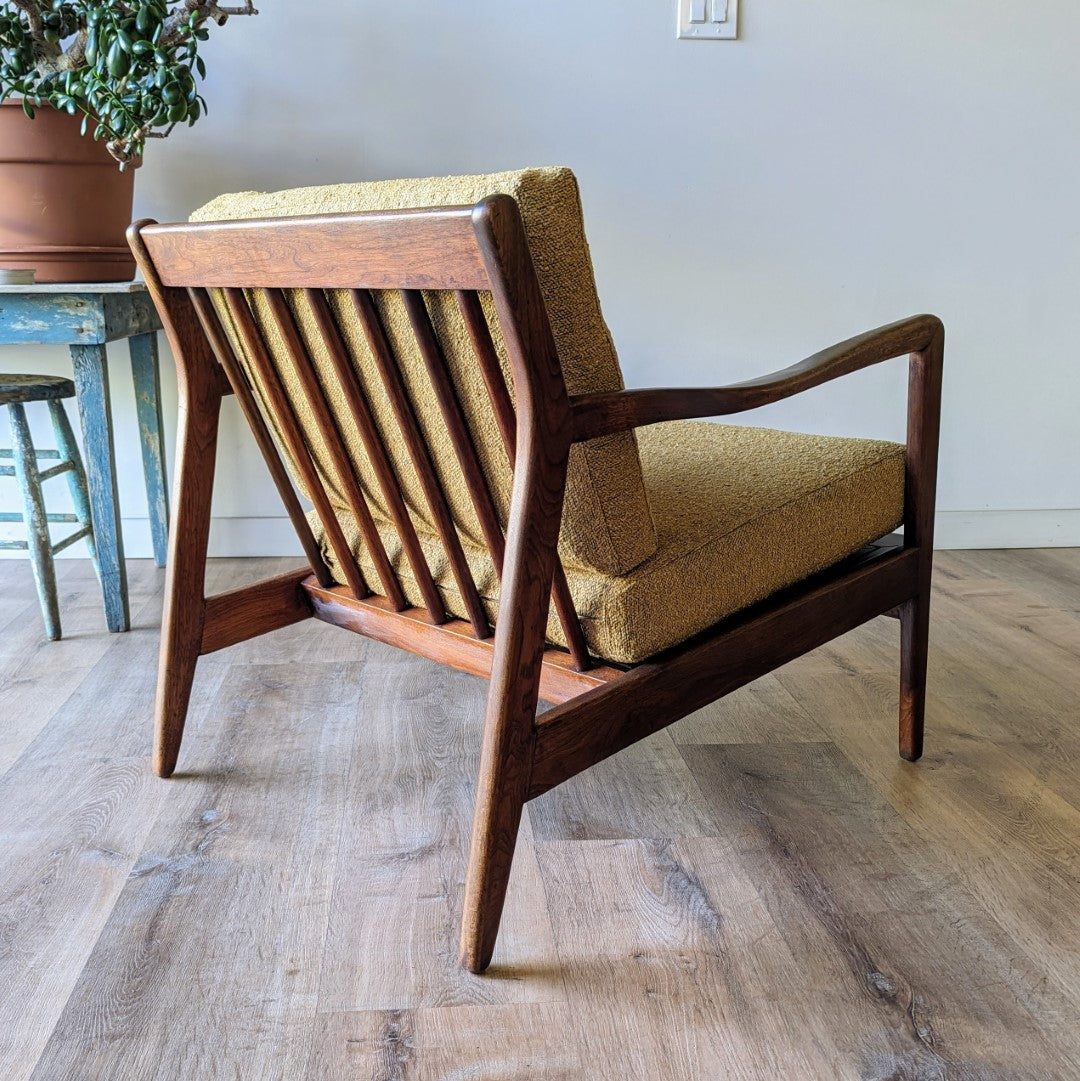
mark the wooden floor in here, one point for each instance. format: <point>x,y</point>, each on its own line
<point>765,891</point>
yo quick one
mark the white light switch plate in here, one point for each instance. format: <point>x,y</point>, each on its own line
<point>708,20</point>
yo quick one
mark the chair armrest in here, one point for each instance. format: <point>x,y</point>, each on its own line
<point>595,415</point>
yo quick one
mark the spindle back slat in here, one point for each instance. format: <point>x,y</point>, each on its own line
<point>389,484</point>
<point>282,409</point>
<point>472,313</point>
<point>409,428</point>
<point>331,438</point>
<point>222,349</point>
<point>456,425</point>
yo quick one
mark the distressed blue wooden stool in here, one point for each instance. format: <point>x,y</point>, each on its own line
<point>15,392</point>
<point>84,318</point>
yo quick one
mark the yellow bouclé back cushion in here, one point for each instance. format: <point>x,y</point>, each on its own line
<point>606,521</point>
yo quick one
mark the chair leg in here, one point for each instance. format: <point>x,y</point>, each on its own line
<point>37,522</point>
<point>185,604</point>
<point>500,798</point>
<point>510,720</point>
<point>914,639</point>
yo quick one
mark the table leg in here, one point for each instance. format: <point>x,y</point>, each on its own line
<point>95,413</point>
<point>145,372</point>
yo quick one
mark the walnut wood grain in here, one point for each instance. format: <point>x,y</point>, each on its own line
<point>502,405</point>
<point>200,388</point>
<point>456,425</point>
<point>576,735</point>
<point>240,614</point>
<point>603,414</point>
<point>451,642</point>
<point>923,426</point>
<point>404,249</point>
<point>543,447</point>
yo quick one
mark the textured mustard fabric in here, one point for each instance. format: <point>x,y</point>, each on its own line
<point>739,513</point>
<point>606,525</point>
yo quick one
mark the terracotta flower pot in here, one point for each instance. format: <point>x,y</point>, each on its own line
<point>64,204</point>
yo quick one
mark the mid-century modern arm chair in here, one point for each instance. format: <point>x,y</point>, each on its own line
<point>426,362</point>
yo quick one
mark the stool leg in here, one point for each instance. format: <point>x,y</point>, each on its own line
<point>37,522</point>
<point>76,476</point>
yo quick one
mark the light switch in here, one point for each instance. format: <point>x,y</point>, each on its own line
<point>708,20</point>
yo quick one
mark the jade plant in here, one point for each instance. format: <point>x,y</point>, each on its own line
<point>130,68</point>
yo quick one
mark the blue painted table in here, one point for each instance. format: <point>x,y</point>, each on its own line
<point>84,318</point>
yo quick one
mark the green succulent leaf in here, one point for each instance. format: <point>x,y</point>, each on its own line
<point>129,67</point>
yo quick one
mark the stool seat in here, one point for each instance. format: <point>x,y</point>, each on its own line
<point>34,388</point>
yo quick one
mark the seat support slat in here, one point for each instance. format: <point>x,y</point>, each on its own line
<point>452,643</point>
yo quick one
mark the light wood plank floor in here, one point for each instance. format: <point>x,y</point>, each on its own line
<point>764,891</point>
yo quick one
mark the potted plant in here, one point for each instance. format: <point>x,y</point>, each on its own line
<point>83,85</point>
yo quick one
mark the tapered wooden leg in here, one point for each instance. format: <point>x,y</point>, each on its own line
<point>185,605</point>
<point>924,412</point>
<point>499,800</point>
<point>510,720</point>
<point>914,638</point>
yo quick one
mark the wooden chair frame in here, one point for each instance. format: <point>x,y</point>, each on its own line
<point>599,708</point>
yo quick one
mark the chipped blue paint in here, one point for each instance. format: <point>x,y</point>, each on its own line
<point>85,320</point>
<point>147,377</point>
<point>95,412</point>
<point>50,319</point>
<point>36,518</point>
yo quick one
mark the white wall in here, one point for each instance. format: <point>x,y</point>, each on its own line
<point>846,163</point>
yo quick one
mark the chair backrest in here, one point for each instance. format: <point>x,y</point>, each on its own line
<point>393,355</point>
<point>606,525</point>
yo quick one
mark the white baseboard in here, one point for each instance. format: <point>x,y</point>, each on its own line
<point>228,537</point>
<point>954,529</point>
<point>1058,528</point>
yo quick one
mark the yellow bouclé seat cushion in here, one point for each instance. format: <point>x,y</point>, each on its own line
<point>606,526</point>
<point>739,513</point>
